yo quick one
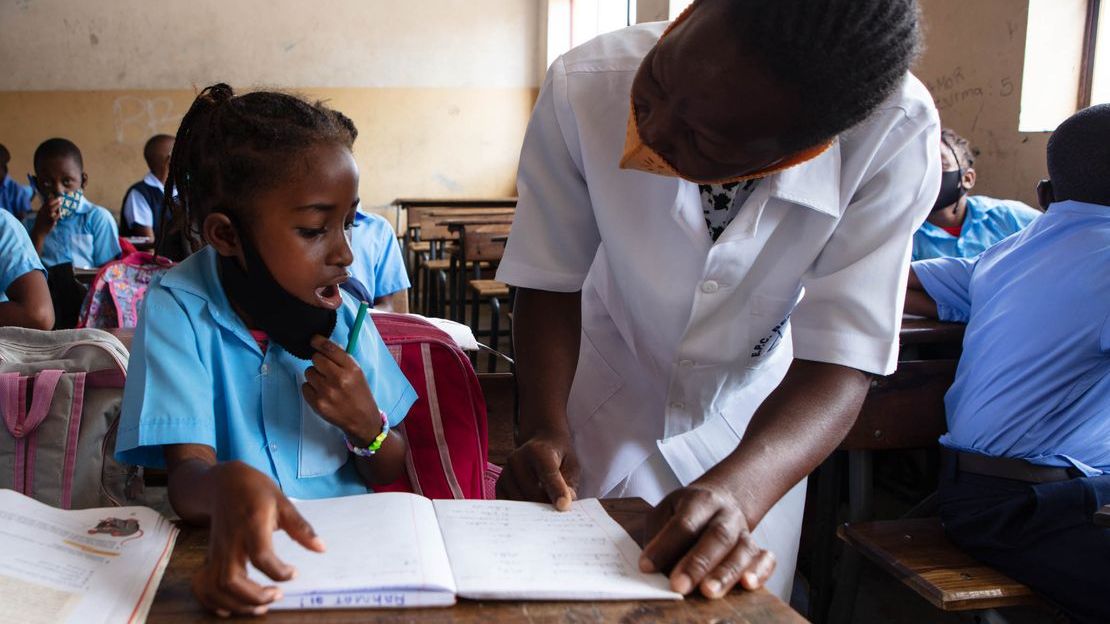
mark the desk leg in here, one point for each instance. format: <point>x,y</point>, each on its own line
<point>860,508</point>
<point>827,501</point>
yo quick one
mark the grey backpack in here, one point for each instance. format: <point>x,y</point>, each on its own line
<point>60,396</point>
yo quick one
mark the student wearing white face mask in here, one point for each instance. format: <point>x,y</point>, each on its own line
<point>705,280</point>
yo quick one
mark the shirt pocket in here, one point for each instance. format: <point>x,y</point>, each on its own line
<point>595,382</point>
<point>767,327</point>
<point>81,250</point>
<point>322,449</point>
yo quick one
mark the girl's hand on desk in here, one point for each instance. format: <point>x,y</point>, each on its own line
<point>700,534</point>
<point>246,510</point>
<point>336,388</point>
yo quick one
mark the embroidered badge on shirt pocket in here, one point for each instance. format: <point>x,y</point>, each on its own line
<point>322,450</point>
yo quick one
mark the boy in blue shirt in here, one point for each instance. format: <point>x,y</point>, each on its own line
<point>24,297</point>
<point>1026,460</point>
<point>962,225</point>
<point>378,263</point>
<point>84,234</point>
<point>14,197</point>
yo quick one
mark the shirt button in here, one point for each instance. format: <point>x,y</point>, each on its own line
<point>685,364</point>
<point>678,405</point>
<point>710,286</point>
<point>265,369</point>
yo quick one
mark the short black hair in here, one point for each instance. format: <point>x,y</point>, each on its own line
<point>843,57</point>
<point>5,156</point>
<point>151,143</point>
<point>1079,157</point>
<point>55,148</point>
<point>229,146</point>
<point>964,152</point>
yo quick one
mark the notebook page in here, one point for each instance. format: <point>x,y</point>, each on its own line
<point>383,550</point>
<point>79,566</point>
<point>506,550</point>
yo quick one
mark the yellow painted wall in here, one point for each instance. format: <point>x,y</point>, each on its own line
<point>440,90</point>
<point>412,141</point>
<point>973,67</point>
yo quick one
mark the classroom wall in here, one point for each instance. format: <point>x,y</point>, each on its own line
<point>973,67</point>
<point>440,90</point>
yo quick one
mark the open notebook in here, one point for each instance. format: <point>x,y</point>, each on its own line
<point>79,566</point>
<point>403,550</point>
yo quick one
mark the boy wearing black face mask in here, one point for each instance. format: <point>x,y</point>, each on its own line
<point>962,225</point>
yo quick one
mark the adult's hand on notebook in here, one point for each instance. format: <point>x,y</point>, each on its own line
<point>544,469</point>
<point>699,533</point>
<point>245,511</point>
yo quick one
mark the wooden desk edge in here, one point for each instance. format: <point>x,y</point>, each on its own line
<point>174,601</point>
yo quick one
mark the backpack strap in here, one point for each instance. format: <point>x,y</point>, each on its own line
<point>69,465</point>
<point>12,390</point>
<point>22,423</point>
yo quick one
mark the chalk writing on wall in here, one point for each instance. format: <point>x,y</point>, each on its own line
<point>137,118</point>
<point>953,88</point>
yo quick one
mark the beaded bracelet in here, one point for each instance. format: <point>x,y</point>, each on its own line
<point>375,445</point>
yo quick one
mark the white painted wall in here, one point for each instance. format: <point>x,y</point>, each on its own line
<point>172,44</point>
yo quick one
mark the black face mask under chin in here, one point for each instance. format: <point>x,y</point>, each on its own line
<point>951,189</point>
<point>287,320</point>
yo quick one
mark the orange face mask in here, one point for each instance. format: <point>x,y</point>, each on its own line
<point>639,156</point>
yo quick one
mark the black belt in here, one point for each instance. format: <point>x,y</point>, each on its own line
<point>1009,468</point>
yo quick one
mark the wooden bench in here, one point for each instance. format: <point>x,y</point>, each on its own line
<point>1102,516</point>
<point>917,553</point>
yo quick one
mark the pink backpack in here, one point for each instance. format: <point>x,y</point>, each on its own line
<point>448,448</point>
<point>116,294</point>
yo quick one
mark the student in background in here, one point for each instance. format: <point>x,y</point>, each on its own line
<point>141,212</point>
<point>68,227</point>
<point>233,383</point>
<point>24,297</point>
<point>14,197</point>
<point>962,225</point>
<point>1026,460</point>
<point>378,264</point>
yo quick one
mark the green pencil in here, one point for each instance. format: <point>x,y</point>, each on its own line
<point>360,318</point>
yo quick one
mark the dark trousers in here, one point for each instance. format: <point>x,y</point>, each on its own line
<point>1042,535</point>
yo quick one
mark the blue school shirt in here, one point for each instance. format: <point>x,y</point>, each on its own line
<point>378,263</point>
<point>196,376</point>
<point>88,238</point>
<point>14,197</point>
<point>1034,379</point>
<point>988,221</point>
<point>17,254</point>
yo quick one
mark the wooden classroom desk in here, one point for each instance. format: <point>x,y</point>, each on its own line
<point>174,601</point>
<point>420,202</point>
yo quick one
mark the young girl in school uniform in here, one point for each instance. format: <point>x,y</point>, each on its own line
<point>237,382</point>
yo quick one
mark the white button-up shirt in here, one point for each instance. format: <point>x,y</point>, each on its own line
<point>683,338</point>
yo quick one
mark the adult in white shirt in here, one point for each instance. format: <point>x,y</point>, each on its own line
<point>142,204</point>
<point>701,336</point>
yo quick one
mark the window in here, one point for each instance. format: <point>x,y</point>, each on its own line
<point>1067,62</point>
<point>573,22</point>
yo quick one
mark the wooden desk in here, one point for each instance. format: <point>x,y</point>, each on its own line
<point>918,330</point>
<point>494,202</point>
<point>1102,516</point>
<point>174,601</point>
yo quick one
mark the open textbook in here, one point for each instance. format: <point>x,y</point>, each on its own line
<point>402,550</point>
<point>79,566</point>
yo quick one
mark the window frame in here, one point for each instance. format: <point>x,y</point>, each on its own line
<point>1087,61</point>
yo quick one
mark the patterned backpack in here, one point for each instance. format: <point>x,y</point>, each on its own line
<point>117,291</point>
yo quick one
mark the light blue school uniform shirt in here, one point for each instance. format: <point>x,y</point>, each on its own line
<point>196,376</point>
<point>988,221</point>
<point>14,197</point>
<point>88,238</point>
<point>17,254</point>
<point>378,264</point>
<point>1034,379</point>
